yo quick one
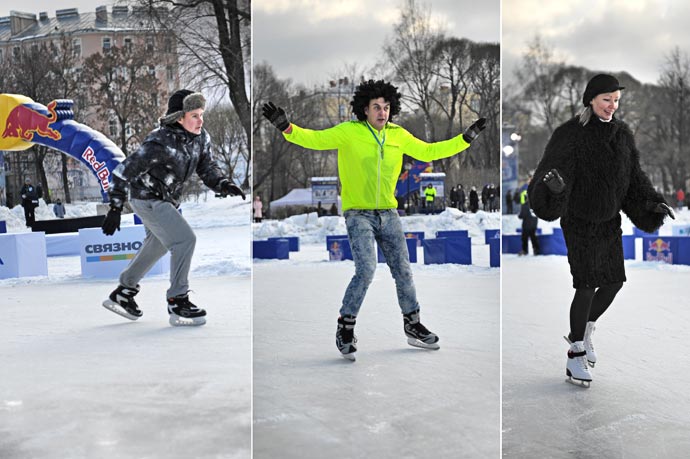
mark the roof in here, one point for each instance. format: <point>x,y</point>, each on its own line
<point>70,21</point>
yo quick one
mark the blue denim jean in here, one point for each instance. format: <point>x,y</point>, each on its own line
<point>364,227</point>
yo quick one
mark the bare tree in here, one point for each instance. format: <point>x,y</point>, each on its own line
<point>227,134</point>
<point>126,87</point>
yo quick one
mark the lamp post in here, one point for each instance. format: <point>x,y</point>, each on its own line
<point>408,168</point>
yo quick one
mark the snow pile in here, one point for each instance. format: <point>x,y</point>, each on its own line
<point>14,217</point>
<point>312,229</point>
<point>511,223</point>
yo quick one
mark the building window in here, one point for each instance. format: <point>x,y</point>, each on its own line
<point>107,44</point>
<point>17,54</point>
<point>76,47</point>
<point>149,43</point>
<point>152,70</point>
<point>112,127</point>
<point>128,43</point>
<point>169,73</point>
<point>168,45</point>
<point>154,98</point>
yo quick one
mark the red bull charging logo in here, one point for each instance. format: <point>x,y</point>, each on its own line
<point>23,122</point>
<point>659,250</point>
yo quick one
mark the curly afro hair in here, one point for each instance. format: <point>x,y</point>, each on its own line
<point>371,89</point>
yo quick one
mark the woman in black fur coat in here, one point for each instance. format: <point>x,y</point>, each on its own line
<point>589,173</point>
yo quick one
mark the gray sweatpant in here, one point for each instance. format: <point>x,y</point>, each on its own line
<point>166,230</point>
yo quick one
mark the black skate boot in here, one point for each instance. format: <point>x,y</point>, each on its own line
<point>184,313</point>
<point>345,337</point>
<point>417,334</point>
<point>121,302</point>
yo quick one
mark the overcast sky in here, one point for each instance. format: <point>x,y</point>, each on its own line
<point>611,35</point>
<point>310,40</point>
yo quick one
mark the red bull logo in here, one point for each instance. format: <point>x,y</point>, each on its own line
<point>23,122</point>
<point>659,250</point>
<point>98,167</point>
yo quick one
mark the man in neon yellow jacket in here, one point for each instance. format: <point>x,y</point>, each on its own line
<point>430,193</point>
<point>370,157</point>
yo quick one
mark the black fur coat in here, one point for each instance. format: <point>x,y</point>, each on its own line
<point>601,169</point>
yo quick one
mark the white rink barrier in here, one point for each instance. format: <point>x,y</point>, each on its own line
<point>23,255</point>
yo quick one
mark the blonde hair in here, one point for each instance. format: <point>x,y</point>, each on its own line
<point>585,115</point>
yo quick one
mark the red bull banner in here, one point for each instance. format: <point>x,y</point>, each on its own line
<point>24,123</point>
<point>673,250</point>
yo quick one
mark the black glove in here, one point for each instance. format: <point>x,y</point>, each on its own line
<point>554,181</point>
<point>473,131</point>
<point>228,188</point>
<point>662,208</point>
<point>276,116</point>
<point>112,221</point>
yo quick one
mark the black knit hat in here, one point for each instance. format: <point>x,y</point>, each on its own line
<point>600,84</point>
<point>181,102</point>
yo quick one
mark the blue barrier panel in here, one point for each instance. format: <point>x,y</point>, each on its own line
<point>448,250</point>
<point>276,249</point>
<point>3,226</point>
<point>339,249</point>
<point>551,244</point>
<point>491,234</point>
<point>334,238</point>
<point>674,250</point>
<point>293,240</point>
<point>418,235</point>
<point>137,220</point>
<point>453,233</point>
<point>637,232</point>
<point>512,243</point>
<point>519,230</point>
<point>411,251</point>
<point>494,252</point>
<point>629,247</point>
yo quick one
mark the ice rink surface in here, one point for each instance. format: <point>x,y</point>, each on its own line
<point>395,401</point>
<point>637,405</point>
<point>77,381</point>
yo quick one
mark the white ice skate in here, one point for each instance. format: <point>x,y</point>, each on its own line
<point>345,338</point>
<point>576,368</point>
<point>589,346</point>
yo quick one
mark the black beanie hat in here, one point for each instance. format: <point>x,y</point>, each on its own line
<point>600,84</point>
<point>181,102</point>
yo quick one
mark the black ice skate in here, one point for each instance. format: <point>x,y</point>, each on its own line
<point>345,337</point>
<point>184,313</point>
<point>417,334</point>
<point>121,301</point>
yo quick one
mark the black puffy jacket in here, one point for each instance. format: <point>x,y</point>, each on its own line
<point>163,164</point>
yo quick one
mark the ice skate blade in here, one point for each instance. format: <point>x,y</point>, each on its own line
<point>351,356</point>
<point>178,321</point>
<point>110,305</point>
<point>591,364</point>
<point>578,382</point>
<point>417,343</point>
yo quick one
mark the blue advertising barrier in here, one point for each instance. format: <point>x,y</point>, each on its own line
<point>512,243</point>
<point>334,238</point>
<point>23,255</point>
<point>491,234</point>
<point>339,249</point>
<point>629,247</point>
<point>448,250</point>
<point>293,240</point>
<point>452,233</point>
<point>637,232</point>
<point>551,244</point>
<point>674,250</point>
<point>494,252</point>
<point>519,230</point>
<point>59,245</point>
<point>271,250</point>
<point>3,226</point>
<point>411,251</point>
<point>417,235</point>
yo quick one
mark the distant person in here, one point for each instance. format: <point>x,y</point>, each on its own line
<point>680,198</point>
<point>474,200</point>
<point>461,199</point>
<point>257,205</point>
<point>370,157</point>
<point>454,197</point>
<point>334,210</point>
<point>30,195</point>
<point>429,197</point>
<point>154,178</point>
<point>59,209</point>
<point>591,171</point>
<point>529,229</point>
<point>509,202</point>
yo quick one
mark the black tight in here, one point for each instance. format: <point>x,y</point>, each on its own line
<point>588,305</point>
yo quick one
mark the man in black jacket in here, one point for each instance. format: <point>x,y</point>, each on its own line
<point>154,176</point>
<point>30,195</point>
<point>529,229</point>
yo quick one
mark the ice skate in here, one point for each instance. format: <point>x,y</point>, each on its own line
<point>345,337</point>
<point>576,368</point>
<point>121,302</point>
<point>417,334</point>
<point>184,313</point>
<point>589,346</point>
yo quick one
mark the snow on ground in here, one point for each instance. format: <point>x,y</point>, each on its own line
<point>395,401</point>
<point>637,406</point>
<point>80,382</point>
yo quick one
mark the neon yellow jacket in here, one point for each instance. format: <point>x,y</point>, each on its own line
<point>367,174</point>
<point>430,194</point>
